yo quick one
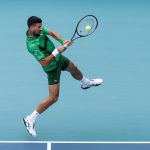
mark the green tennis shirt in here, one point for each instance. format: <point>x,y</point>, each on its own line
<point>36,46</point>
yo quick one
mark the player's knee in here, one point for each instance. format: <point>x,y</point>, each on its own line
<point>54,98</point>
<point>74,68</point>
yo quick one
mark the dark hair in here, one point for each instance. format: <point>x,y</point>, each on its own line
<point>33,20</point>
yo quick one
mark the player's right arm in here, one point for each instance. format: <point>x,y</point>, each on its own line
<point>39,55</point>
<point>47,60</point>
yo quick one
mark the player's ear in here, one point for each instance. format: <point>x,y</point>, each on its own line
<point>32,28</point>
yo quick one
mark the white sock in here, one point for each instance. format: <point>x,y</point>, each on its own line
<point>34,116</point>
<point>84,80</point>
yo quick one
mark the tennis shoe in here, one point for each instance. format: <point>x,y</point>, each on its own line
<point>91,83</point>
<point>30,126</point>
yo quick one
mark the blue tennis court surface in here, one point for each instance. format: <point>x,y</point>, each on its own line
<point>118,52</point>
<point>100,146</point>
<point>23,146</point>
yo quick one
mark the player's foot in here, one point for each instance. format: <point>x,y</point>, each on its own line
<point>92,82</point>
<point>30,126</point>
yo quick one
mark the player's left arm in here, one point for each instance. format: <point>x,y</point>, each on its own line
<point>56,36</point>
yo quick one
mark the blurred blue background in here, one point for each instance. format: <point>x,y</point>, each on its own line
<point>118,52</point>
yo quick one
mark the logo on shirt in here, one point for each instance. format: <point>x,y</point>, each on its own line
<point>55,81</point>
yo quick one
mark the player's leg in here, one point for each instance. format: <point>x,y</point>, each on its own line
<point>52,98</point>
<point>76,73</point>
<point>30,120</point>
<point>53,81</point>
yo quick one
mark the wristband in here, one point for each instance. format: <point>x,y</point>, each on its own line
<point>61,40</point>
<point>55,52</point>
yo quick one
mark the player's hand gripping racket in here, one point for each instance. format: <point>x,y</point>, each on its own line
<point>85,27</point>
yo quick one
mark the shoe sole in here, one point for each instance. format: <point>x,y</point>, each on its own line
<point>26,126</point>
<point>90,86</point>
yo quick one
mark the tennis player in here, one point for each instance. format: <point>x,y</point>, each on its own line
<point>52,62</point>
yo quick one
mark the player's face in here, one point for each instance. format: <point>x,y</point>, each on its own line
<point>37,29</point>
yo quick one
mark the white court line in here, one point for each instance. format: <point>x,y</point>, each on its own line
<point>94,142</point>
<point>48,145</point>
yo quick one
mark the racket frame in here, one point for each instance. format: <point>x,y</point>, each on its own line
<point>76,30</point>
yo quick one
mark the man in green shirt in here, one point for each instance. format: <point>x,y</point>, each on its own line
<point>52,62</point>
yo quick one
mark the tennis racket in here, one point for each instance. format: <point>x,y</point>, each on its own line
<point>85,27</point>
